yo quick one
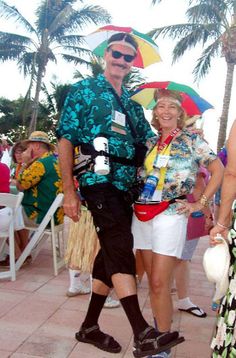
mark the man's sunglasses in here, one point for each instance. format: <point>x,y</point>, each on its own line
<point>118,54</point>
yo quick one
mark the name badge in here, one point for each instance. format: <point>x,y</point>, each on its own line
<point>118,122</point>
<point>161,161</point>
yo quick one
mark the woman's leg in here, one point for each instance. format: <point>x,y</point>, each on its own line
<point>161,280</point>
<point>159,269</point>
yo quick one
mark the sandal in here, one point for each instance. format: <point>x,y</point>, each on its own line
<point>144,346</point>
<point>108,343</point>
<point>195,311</point>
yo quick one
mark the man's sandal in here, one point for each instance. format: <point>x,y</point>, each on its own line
<point>150,346</point>
<point>103,341</point>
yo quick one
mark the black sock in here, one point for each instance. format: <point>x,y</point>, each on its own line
<point>134,314</point>
<point>95,306</point>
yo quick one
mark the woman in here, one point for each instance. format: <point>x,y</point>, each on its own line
<point>16,153</point>
<point>176,156</point>
<point>224,343</point>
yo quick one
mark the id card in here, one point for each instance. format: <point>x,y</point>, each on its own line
<point>118,122</point>
<point>162,161</point>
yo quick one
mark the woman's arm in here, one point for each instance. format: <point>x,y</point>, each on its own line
<point>228,192</point>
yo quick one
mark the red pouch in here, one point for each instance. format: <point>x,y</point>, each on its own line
<point>145,212</point>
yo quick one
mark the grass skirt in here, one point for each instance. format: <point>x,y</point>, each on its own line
<point>82,244</point>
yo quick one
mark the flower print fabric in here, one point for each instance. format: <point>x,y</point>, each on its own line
<point>88,112</point>
<point>187,153</point>
<point>224,341</point>
<point>41,182</point>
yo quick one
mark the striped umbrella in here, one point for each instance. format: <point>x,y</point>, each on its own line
<point>148,51</point>
<point>192,102</point>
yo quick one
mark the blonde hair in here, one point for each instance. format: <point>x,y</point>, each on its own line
<point>177,99</point>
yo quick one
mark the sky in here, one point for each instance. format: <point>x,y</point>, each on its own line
<point>143,17</point>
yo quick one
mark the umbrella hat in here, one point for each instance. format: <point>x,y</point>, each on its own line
<point>148,51</point>
<point>191,101</point>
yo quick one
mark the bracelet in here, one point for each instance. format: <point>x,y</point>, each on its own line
<point>204,201</point>
<point>222,226</point>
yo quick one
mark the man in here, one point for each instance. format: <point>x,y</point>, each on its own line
<point>40,179</point>
<point>101,106</point>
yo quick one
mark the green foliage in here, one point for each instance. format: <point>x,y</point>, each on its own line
<point>54,34</point>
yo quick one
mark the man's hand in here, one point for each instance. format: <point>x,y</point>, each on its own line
<point>71,205</point>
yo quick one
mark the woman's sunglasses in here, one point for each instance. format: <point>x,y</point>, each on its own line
<point>118,54</point>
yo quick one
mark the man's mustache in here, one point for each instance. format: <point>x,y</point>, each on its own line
<point>119,65</point>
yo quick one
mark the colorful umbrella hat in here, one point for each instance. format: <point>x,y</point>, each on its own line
<point>148,51</point>
<point>192,102</point>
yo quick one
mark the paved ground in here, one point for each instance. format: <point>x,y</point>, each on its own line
<point>38,320</point>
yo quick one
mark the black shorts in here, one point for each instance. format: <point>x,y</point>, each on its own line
<point>112,218</point>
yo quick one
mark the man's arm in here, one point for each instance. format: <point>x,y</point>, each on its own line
<point>228,192</point>
<point>71,203</point>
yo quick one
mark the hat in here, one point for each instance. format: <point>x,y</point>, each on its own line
<point>216,262</point>
<point>39,136</point>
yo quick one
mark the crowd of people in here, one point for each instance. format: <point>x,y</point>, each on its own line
<point>155,197</point>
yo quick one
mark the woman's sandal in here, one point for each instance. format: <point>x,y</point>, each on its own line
<point>108,344</point>
<point>150,346</point>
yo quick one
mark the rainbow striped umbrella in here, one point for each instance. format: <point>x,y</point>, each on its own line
<point>192,102</point>
<point>148,51</point>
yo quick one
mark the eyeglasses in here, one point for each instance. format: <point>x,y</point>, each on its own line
<point>118,54</point>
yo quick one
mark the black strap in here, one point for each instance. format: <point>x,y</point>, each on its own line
<point>131,125</point>
<point>182,197</point>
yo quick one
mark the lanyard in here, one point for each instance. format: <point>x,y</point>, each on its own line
<point>161,147</point>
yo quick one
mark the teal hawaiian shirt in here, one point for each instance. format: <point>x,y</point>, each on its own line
<point>88,111</point>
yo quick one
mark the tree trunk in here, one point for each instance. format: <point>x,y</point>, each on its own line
<point>226,103</point>
<point>33,122</point>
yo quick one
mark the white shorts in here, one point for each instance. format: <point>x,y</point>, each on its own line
<point>164,234</point>
<point>5,218</point>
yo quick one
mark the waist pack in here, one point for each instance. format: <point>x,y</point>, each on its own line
<point>147,211</point>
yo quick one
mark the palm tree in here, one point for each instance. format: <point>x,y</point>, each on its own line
<point>132,80</point>
<point>211,23</point>
<point>53,35</point>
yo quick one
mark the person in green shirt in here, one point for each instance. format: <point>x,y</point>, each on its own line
<point>101,107</point>
<point>40,179</point>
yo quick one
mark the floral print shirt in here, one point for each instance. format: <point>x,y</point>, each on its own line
<point>88,112</point>
<point>41,182</point>
<point>188,152</point>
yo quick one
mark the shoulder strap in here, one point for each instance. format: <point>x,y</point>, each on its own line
<point>132,127</point>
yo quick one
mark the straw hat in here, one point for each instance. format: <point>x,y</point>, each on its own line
<point>216,261</point>
<point>39,136</point>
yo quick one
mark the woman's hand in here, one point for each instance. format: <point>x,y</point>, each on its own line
<point>187,208</point>
<point>220,231</point>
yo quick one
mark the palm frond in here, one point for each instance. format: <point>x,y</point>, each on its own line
<point>78,50</point>
<point>173,31</point>
<point>207,13</point>
<point>74,59</point>
<point>87,15</point>
<point>11,12</point>
<point>27,63</point>
<point>204,62</point>
<point>73,40</point>
<point>15,39</point>
<point>11,52</point>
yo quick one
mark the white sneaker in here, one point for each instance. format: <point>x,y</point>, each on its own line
<point>111,303</point>
<point>81,290</point>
